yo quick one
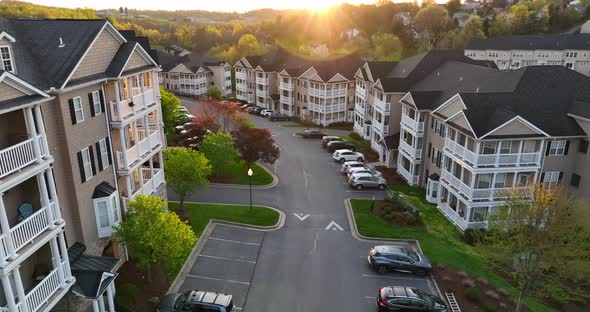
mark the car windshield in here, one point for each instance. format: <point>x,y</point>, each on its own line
<point>426,298</point>
<point>181,300</point>
<point>414,256</point>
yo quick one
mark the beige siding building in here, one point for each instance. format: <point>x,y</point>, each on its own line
<point>82,135</point>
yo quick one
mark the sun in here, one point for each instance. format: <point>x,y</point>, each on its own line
<point>319,6</point>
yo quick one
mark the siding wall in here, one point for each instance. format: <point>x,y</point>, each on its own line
<point>99,57</point>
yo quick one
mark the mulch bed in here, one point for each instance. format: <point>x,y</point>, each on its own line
<point>490,298</point>
<point>370,155</point>
<point>402,216</point>
<point>144,290</point>
<point>390,175</point>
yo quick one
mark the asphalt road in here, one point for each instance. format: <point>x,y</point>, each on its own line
<point>304,266</point>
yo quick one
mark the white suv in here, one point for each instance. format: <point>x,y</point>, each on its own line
<point>351,164</point>
<point>347,155</point>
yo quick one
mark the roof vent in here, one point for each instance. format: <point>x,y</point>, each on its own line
<point>438,74</point>
<point>477,90</point>
<point>61,43</point>
<point>461,78</point>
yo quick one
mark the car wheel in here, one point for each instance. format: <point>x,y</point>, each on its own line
<point>342,160</point>
<point>360,159</point>
<point>359,187</point>
<point>382,269</point>
<point>420,272</point>
<point>381,187</point>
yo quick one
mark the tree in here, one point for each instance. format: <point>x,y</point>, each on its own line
<point>387,47</point>
<point>255,144</point>
<point>214,93</point>
<point>534,237</point>
<point>219,150</point>
<point>500,26</point>
<point>184,34</point>
<point>222,113</point>
<point>154,235</point>
<point>185,170</point>
<point>194,132</point>
<point>519,18</point>
<point>453,6</point>
<point>170,106</point>
<point>248,45</point>
<point>474,28</point>
<point>432,22</point>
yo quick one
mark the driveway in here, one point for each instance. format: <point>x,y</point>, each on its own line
<point>313,263</point>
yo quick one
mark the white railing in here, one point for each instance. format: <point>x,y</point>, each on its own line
<point>40,295</point>
<point>412,180</point>
<point>261,80</point>
<point>456,183</point>
<point>492,159</point>
<point>410,151</point>
<point>460,150</point>
<point>132,105</point>
<point>192,81</point>
<point>286,86</point>
<point>286,100</point>
<point>138,150</point>
<point>18,156</point>
<point>327,93</point>
<point>381,128</point>
<point>454,216</point>
<point>360,92</point>
<point>382,106</point>
<point>150,183</point>
<point>240,75</point>
<point>415,126</point>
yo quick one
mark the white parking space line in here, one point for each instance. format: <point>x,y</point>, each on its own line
<point>233,241</point>
<point>369,297</point>
<point>230,259</point>
<point>217,279</point>
<point>394,277</point>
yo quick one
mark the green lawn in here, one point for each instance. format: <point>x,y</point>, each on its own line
<point>439,239</point>
<point>359,144</point>
<point>200,214</point>
<point>238,171</point>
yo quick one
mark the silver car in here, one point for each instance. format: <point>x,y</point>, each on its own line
<point>361,170</point>
<point>367,180</point>
<point>351,164</point>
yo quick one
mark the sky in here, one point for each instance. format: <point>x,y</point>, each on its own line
<point>208,5</point>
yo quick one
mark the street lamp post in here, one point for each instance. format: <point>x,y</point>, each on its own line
<point>250,182</point>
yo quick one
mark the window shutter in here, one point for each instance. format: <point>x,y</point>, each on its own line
<point>567,147</point>
<point>102,103</point>
<point>429,149</point>
<point>91,102</point>
<point>109,150</point>
<point>99,154</point>
<point>81,165</point>
<point>548,148</point>
<point>72,111</point>
<point>91,151</point>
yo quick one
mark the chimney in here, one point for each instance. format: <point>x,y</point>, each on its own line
<point>61,43</point>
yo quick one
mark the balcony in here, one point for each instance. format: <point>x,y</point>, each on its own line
<point>286,100</point>
<point>361,92</point>
<point>262,80</point>
<point>137,151</point>
<point>130,106</point>
<point>492,194</point>
<point>192,81</point>
<point>327,93</point>
<point>412,179</point>
<point>381,128</point>
<point>240,75</point>
<point>20,155</point>
<point>288,86</point>
<point>492,160</point>
<point>150,183</point>
<point>413,153</point>
<point>413,125</point>
<point>454,216</point>
<point>26,231</point>
<point>383,107</point>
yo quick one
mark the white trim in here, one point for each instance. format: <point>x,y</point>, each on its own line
<point>22,83</point>
<point>142,53</point>
<point>305,72</point>
<point>524,121</point>
<point>448,101</point>
<point>6,35</point>
<point>10,59</point>
<point>412,104</point>
<point>368,71</point>
<point>94,104</point>
<point>466,120</point>
<point>76,110</point>
<point>86,176</point>
<point>578,117</point>
<point>379,85</point>
<point>104,154</point>
<point>338,75</point>
<point>113,214</point>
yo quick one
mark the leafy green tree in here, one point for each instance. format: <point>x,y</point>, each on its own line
<point>248,45</point>
<point>185,170</point>
<point>534,238</point>
<point>519,18</point>
<point>388,47</point>
<point>500,26</point>
<point>474,28</point>
<point>219,150</point>
<point>453,6</point>
<point>170,106</point>
<point>184,34</point>
<point>432,23</point>
<point>154,235</point>
<point>214,93</point>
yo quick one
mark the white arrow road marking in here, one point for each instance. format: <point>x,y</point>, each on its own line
<point>301,216</point>
<point>334,227</point>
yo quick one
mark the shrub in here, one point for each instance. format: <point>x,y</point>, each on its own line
<point>355,136</point>
<point>474,236</point>
<point>472,294</point>
<point>490,307</point>
<point>413,220</point>
<point>125,296</point>
<point>387,209</point>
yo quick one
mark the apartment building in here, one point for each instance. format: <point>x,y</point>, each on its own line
<point>192,74</point>
<point>478,132</point>
<point>322,91</point>
<point>513,52</point>
<point>81,134</point>
<point>379,88</point>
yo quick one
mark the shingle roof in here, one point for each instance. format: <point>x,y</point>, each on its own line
<point>192,61</point>
<point>532,42</point>
<point>120,59</point>
<point>380,69</point>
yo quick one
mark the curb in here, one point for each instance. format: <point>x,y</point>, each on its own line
<point>190,260</point>
<point>275,181</point>
<point>358,236</point>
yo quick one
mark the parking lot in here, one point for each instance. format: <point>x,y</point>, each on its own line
<point>313,263</point>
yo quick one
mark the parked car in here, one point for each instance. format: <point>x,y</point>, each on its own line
<point>351,164</point>
<point>365,169</point>
<point>347,155</point>
<point>360,181</point>
<point>402,298</point>
<point>336,145</point>
<point>245,107</point>
<point>278,116</point>
<point>312,134</point>
<point>266,112</point>
<point>251,109</point>
<point>330,138</point>
<point>196,300</point>
<point>394,257</point>
<point>183,109</point>
<point>255,109</point>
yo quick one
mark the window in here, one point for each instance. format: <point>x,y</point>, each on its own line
<point>484,181</point>
<point>76,110</point>
<point>102,150</point>
<point>575,180</point>
<point>489,148</point>
<point>478,214</point>
<point>583,147</point>
<point>551,178</point>
<point>529,147</point>
<point>557,148</point>
<point>95,104</point>
<point>505,147</point>
<point>6,59</point>
<point>500,180</point>
<point>522,179</point>
<point>107,213</point>
<point>86,162</point>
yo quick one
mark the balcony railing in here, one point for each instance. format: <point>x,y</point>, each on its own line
<point>327,93</point>
<point>286,86</point>
<point>382,106</point>
<point>150,183</point>
<point>381,128</point>
<point>18,156</point>
<point>410,151</point>
<point>133,104</point>
<point>454,216</point>
<point>480,194</point>
<point>138,150</point>
<point>456,183</point>
<point>361,92</point>
<point>412,180</point>
<point>517,159</point>
<point>415,126</point>
<point>261,80</point>
<point>25,232</point>
<point>286,100</point>
<point>240,75</point>
<point>192,81</point>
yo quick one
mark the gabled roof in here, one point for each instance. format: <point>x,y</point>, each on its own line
<point>380,69</point>
<point>533,42</point>
<point>30,94</point>
<point>192,61</point>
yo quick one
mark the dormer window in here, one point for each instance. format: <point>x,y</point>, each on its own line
<point>6,59</point>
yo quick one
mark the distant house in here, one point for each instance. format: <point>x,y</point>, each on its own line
<point>461,18</point>
<point>320,50</point>
<point>177,50</point>
<point>141,16</point>
<point>406,17</point>
<point>585,29</point>
<point>472,4</point>
<point>578,5</point>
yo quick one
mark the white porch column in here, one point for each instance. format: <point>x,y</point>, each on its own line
<point>95,307</point>
<point>20,290</point>
<point>6,232</point>
<point>8,294</point>
<point>118,100</point>
<point>135,134</point>
<point>41,129</point>
<point>32,129</point>
<point>130,191</point>
<point>152,180</point>
<point>141,181</point>
<point>64,251</point>
<point>101,303</point>
<point>110,297</point>
<point>45,199</point>
<point>56,259</point>
<point>492,186</point>
<point>146,124</point>
<point>514,180</point>
<point>142,86</point>
<point>53,193</point>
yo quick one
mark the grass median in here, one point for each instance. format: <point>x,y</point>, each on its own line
<point>199,214</point>
<point>440,241</point>
<point>237,173</point>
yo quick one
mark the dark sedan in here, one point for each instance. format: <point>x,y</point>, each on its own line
<point>336,145</point>
<point>400,298</point>
<point>312,134</point>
